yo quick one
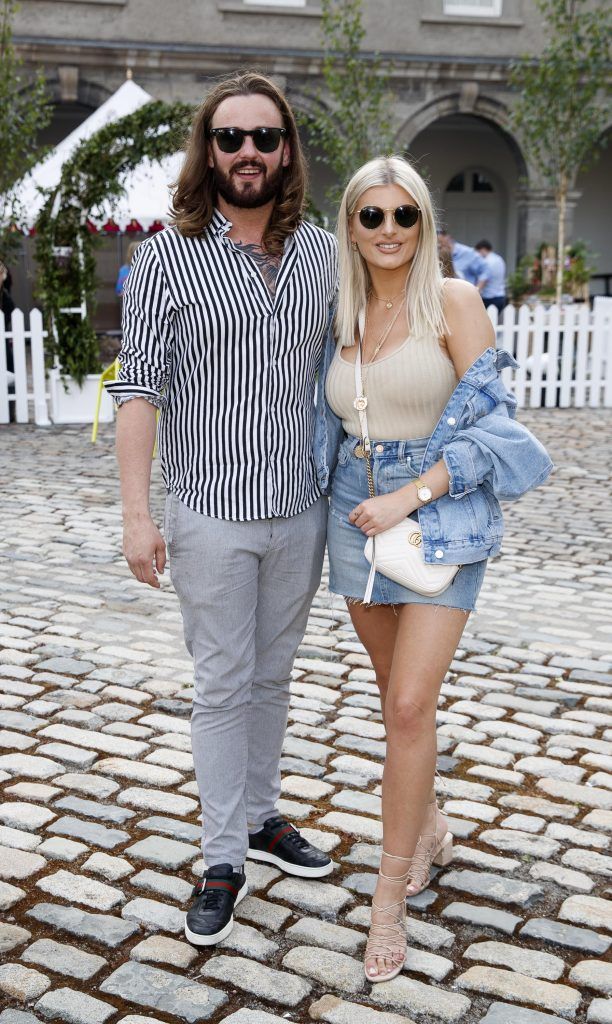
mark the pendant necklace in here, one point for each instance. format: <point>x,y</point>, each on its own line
<point>388,302</point>
<point>383,337</point>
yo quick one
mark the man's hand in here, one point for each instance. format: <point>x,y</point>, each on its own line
<point>381,513</point>
<point>144,547</point>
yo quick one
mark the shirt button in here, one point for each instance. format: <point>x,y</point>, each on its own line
<point>451,421</point>
<point>380,447</point>
<point>439,553</point>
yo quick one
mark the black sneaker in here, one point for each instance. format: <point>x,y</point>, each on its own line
<point>211,918</point>
<point>281,844</point>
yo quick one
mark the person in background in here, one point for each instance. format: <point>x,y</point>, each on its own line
<point>111,226</point>
<point>6,310</point>
<point>467,263</point>
<point>91,227</point>
<point>446,259</point>
<point>493,292</point>
<point>124,269</point>
<point>156,225</point>
<point>134,226</point>
<point>7,306</point>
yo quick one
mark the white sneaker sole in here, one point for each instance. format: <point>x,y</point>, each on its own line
<point>290,869</point>
<point>211,940</point>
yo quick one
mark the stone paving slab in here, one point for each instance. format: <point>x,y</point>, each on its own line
<point>99,818</point>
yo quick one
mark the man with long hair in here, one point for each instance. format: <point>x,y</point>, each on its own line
<point>224,316</point>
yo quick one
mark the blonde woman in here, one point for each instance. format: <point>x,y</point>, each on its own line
<point>444,447</point>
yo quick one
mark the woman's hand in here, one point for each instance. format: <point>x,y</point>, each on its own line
<point>377,514</point>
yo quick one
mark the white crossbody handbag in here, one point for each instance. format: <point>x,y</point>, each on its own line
<point>396,553</point>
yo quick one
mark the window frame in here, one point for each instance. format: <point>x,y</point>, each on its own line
<point>297,4</point>
<point>465,9</point>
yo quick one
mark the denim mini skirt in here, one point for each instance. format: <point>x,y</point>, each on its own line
<point>394,464</point>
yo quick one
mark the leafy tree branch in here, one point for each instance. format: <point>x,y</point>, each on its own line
<point>560,114</point>
<point>24,111</point>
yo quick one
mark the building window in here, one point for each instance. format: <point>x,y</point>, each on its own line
<point>275,3</point>
<point>470,181</point>
<point>473,8</point>
<point>480,183</point>
<point>456,184</point>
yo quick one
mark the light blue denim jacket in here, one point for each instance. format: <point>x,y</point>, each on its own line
<point>489,456</point>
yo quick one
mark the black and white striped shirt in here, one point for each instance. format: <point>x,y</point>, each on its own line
<point>231,366</point>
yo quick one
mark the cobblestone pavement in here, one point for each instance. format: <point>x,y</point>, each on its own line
<point>99,817</point>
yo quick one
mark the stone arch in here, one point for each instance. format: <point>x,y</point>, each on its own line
<point>72,102</point>
<point>466,134</point>
<point>88,93</point>
<point>469,102</point>
<point>322,178</point>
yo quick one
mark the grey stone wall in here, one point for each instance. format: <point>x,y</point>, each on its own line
<point>449,76</point>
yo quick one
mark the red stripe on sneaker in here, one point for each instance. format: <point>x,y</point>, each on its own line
<point>218,884</point>
<point>279,835</point>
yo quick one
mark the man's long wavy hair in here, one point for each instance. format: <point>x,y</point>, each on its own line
<point>195,194</point>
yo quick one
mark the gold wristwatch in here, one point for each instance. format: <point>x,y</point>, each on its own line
<point>423,491</point>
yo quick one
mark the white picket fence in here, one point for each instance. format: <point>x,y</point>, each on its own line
<point>564,356</point>
<point>564,353</point>
<point>29,367</point>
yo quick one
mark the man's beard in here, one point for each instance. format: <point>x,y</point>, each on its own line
<point>252,196</point>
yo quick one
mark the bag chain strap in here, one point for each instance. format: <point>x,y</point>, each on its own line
<point>360,404</point>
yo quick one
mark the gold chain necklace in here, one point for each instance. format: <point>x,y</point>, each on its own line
<point>388,302</point>
<point>379,344</point>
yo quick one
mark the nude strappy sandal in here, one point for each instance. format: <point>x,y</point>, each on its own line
<point>387,939</point>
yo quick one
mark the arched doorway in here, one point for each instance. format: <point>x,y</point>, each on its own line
<point>590,221</point>
<point>475,203</point>
<point>70,108</point>
<point>473,167</point>
<point>66,117</point>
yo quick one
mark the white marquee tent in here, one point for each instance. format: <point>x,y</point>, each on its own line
<point>146,187</point>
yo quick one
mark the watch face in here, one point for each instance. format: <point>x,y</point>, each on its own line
<point>424,494</point>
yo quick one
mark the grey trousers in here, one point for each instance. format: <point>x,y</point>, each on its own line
<point>245,589</point>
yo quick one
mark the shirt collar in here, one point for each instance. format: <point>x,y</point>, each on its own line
<point>220,226</point>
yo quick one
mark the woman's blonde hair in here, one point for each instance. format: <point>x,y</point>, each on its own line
<point>424,285</point>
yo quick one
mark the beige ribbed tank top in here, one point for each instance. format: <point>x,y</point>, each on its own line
<point>407,390</point>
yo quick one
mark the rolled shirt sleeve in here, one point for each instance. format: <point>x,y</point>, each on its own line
<point>146,349</point>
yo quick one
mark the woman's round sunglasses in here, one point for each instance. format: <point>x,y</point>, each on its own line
<point>372,217</point>
<point>231,140</point>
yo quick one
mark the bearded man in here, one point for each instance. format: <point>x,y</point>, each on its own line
<point>224,316</point>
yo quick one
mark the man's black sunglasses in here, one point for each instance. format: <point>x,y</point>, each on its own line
<point>231,140</point>
<point>372,217</point>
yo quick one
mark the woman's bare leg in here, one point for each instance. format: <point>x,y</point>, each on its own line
<point>376,626</point>
<point>426,641</point>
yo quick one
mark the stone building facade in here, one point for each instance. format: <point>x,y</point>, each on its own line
<point>449,63</point>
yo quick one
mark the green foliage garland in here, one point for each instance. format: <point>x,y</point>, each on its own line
<point>94,174</point>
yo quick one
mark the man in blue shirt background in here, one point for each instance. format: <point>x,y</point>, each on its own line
<point>494,289</point>
<point>467,263</point>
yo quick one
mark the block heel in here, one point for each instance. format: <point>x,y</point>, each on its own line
<point>445,854</point>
